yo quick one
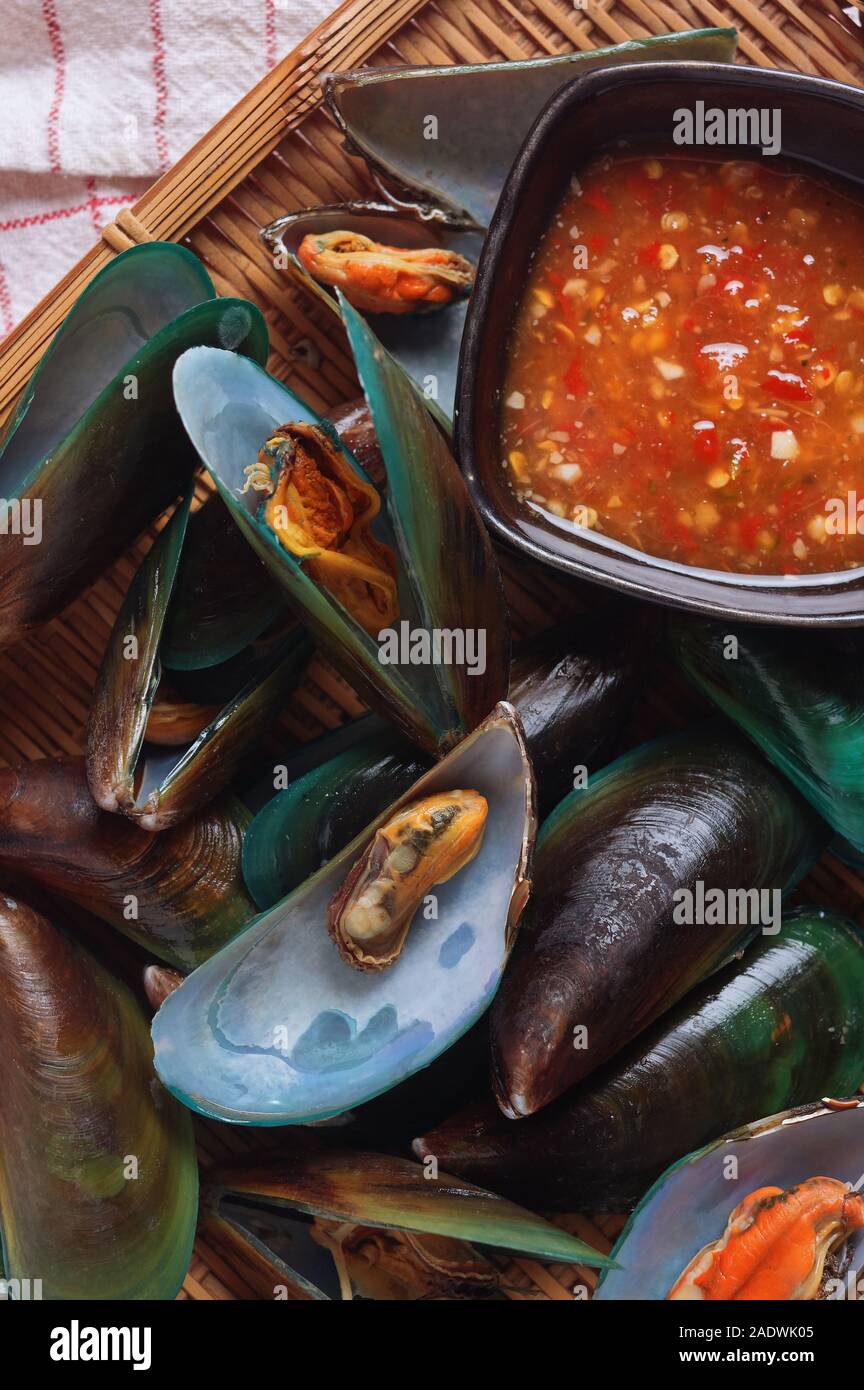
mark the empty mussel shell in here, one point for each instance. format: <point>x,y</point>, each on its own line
<point>223,597</point>
<point>278,1029</point>
<point>610,940</point>
<point>458,159</point>
<point>689,1206</point>
<point>377,1192</point>
<point>154,785</point>
<point>94,449</point>
<point>784,1024</point>
<point>233,412</point>
<point>98,1176</point>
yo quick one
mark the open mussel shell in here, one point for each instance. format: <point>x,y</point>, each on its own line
<point>458,158</point>
<point>98,1176</point>
<point>602,952</point>
<point>378,1191</point>
<point>324,808</point>
<point>230,407</point>
<point>95,443</point>
<point>278,1029</point>
<point>800,696</point>
<point>688,1207</point>
<point>223,597</point>
<point>572,691</point>
<point>781,1026</point>
<point>159,787</point>
<point>428,350</point>
<point>179,894</point>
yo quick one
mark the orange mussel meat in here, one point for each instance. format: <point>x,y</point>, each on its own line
<point>321,511</point>
<point>776,1244</point>
<point>386,279</point>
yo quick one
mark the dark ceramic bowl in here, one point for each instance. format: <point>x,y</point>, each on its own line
<point>632,107</point>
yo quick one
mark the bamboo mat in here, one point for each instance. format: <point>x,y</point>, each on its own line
<point>277,151</point>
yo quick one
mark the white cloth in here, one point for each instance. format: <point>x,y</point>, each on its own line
<point>99,97</point>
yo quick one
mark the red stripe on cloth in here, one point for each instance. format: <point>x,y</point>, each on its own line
<point>38,219</point>
<point>5,303</point>
<point>49,13</point>
<point>161,84</point>
<point>270,31</point>
<point>93,205</point>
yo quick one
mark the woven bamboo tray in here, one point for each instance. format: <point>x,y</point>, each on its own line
<point>278,151</point>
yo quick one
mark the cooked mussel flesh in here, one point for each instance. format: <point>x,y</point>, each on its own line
<point>386,279</point>
<point>425,843</point>
<point>321,510</point>
<point>776,1244</point>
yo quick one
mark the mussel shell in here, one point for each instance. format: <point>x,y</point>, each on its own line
<point>179,894</point>
<point>317,815</point>
<point>277,1029</point>
<point>574,690</point>
<point>378,1190</point>
<point>600,948</point>
<point>690,1204</point>
<point>429,352</point>
<point>780,1027</point>
<point>95,439</point>
<point>573,693</point>
<point>800,696</point>
<point>98,1175</point>
<point>484,111</point>
<point>229,407</point>
<point>155,787</point>
<point>223,597</point>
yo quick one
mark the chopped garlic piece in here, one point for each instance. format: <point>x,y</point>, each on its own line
<point>593,335</point>
<point>667,256</point>
<point>670,371</point>
<point>784,444</point>
<point>567,472</point>
<point>516,400</point>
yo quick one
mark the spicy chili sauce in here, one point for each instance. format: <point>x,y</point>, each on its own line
<point>686,372</point>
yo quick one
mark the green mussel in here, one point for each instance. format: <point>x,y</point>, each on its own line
<point>324,807</point>
<point>573,692</point>
<point>815,1146</point>
<point>179,894</point>
<point>781,1027</point>
<point>800,696</point>
<point>326,1222</point>
<point>429,353</point>
<point>127,770</point>
<point>98,1175</point>
<point>456,160</point>
<point>94,450</point>
<point>223,597</point>
<point>646,881</point>
<point>425,644</point>
<point>278,1029</point>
